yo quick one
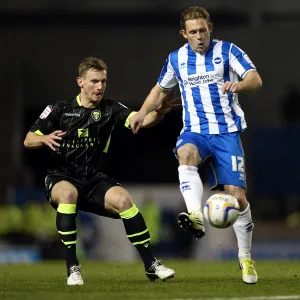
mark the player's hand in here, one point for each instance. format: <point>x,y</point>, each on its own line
<point>51,140</point>
<point>170,102</point>
<point>136,122</point>
<point>230,86</point>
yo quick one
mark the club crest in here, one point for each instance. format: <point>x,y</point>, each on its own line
<point>96,115</point>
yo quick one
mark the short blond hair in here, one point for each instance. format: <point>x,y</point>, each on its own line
<point>194,12</point>
<point>91,63</point>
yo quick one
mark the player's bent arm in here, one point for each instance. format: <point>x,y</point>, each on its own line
<point>33,140</point>
<point>152,119</point>
<point>36,139</point>
<point>154,100</point>
<point>250,83</point>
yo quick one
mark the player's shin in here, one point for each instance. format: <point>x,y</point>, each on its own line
<point>66,226</point>
<point>243,228</point>
<point>191,187</point>
<point>138,234</point>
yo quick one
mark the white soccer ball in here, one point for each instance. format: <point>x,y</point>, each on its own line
<point>221,210</point>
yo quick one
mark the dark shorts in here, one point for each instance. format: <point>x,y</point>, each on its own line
<point>91,192</point>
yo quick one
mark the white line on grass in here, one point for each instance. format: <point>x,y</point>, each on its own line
<point>287,297</point>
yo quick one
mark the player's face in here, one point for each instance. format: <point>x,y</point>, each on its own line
<point>197,32</point>
<point>93,85</point>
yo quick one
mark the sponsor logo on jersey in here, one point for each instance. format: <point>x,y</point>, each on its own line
<point>47,111</point>
<point>96,115</point>
<point>71,114</point>
<point>182,65</point>
<point>83,132</point>
<point>83,142</point>
<point>198,79</point>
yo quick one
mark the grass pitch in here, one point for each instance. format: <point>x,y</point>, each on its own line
<point>194,280</point>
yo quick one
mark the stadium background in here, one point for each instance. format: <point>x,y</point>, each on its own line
<point>42,45</point>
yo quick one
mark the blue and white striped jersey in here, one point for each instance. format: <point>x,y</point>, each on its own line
<point>206,109</point>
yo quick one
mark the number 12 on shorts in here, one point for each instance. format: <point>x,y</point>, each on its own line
<point>237,163</point>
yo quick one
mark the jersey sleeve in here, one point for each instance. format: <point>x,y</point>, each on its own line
<point>46,122</point>
<point>239,61</point>
<point>122,114</point>
<point>167,78</point>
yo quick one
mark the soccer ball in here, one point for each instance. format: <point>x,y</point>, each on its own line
<point>221,210</point>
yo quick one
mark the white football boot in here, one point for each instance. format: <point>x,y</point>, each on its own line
<point>74,276</point>
<point>157,270</point>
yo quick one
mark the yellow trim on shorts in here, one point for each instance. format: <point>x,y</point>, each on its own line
<point>215,175</point>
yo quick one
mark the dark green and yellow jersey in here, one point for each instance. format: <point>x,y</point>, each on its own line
<point>88,133</point>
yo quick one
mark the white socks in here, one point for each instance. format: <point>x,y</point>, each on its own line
<point>243,228</point>
<point>191,187</point>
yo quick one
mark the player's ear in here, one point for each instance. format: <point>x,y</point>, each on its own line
<point>183,33</point>
<point>79,82</point>
<point>210,27</point>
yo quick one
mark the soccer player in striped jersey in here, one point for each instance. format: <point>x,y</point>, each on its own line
<point>210,74</point>
<point>78,132</point>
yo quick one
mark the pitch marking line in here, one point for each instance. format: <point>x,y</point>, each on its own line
<point>287,297</point>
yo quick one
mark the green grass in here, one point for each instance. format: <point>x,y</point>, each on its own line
<point>194,280</point>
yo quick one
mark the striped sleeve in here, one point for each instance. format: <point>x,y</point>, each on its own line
<point>167,78</point>
<point>239,61</point>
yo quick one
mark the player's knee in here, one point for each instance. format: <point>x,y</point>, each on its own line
<point>241,198</point>
<point>188,155</point>
<point>242,201</point>
<point>124,203</point>
<point>121,203</point>
<point>239,194</point>
<point>67,197</point>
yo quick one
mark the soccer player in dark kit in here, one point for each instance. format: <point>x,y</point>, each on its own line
<point>78,131</point>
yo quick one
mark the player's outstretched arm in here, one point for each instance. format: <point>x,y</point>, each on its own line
<point>250,84</point>
<point>33,140</point>
<point>153,101</point>
<point>170,101</point>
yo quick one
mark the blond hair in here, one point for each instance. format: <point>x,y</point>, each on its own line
<point>194,12</point>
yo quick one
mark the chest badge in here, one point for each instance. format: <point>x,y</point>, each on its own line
<point>96,115</point>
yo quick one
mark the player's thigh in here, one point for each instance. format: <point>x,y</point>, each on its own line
<point>192,148</point>
<point>227,165</point>
<point>92,199</point>
<point>60,189</point>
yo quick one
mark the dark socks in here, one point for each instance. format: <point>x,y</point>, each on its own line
<point>66,226</point>
<point>138,234</point>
